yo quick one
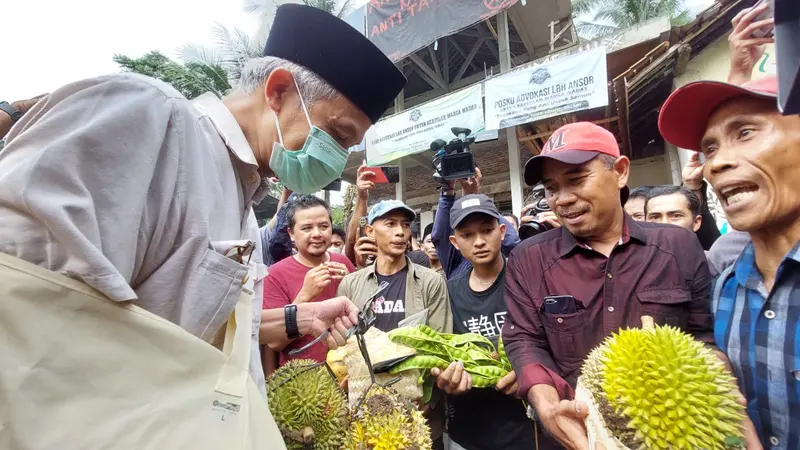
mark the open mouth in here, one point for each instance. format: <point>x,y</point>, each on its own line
<point>736,193</point>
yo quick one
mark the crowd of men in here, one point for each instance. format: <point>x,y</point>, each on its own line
<point>76,199</point>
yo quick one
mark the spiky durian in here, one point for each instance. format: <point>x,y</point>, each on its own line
<point>308,406</point>
<point>385,422</point>
<point>671,389</point>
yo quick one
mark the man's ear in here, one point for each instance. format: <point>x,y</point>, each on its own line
<point>503,229</point>
<point>453,243</point>
<point>369,231</point>
<point>623,168</point>
<point>697,223</point>
<point>279,83</point>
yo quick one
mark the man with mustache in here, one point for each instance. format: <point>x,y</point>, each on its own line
<point>412,288</point>
<point>753,163</point>
<point>312,275</point>
<point>569,288</point>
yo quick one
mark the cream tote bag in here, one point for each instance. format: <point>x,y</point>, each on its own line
<point>80,371</point>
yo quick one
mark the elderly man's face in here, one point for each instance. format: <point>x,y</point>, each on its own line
<point>753,162</point>
<point>338,117</point>
<point>586,197</point>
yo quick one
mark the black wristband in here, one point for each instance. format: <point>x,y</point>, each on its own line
<point>11,111</point>
<point>290,317</point>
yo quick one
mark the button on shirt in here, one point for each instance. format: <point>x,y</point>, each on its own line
<point>760,333</point>
<point>122,183</point>
<point>656,270</point>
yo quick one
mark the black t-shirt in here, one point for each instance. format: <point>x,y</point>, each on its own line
<point>390,307</point>
<point>485,419</point>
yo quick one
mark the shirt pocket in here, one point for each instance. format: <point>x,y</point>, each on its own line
<point>666,306</point>
<point>564,333</point>
<point>215,287</point>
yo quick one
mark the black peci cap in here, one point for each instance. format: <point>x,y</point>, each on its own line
<point>339,54</point>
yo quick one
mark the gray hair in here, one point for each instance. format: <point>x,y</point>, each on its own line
<point>607,161</point>
<point>311,86</point>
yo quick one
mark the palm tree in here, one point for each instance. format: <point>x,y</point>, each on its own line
<point>232,51</point>
<point>597,18</point>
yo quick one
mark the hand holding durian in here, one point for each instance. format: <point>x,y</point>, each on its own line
<point>658,388</point>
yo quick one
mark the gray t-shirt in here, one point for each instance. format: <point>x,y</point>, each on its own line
<point>725,251</point>
<point>390,308</point>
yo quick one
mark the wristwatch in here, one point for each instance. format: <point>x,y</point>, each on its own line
<point>11,111</point>
<point>290,317</point>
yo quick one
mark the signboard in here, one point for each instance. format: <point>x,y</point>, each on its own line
<point>401,27</point>
<point>413,130</point>
<point>564,85</point>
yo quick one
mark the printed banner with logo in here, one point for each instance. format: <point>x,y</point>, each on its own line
<point>413,130</point>
<point>401,27</point>
<point>566,85</point>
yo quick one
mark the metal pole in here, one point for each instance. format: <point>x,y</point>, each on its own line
<point>514,163</point>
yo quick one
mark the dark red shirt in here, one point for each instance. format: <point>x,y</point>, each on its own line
<point>656,270</point>
<point>282,285</point>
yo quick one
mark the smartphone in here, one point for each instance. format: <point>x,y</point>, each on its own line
<point>560,304</point>
<point>362,222</point>
<point>768,13</point>
<point>385,174</point>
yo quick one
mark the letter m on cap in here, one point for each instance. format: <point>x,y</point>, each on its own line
<point>555,142</point>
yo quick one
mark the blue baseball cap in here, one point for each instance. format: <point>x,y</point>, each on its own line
<point>384,207</point>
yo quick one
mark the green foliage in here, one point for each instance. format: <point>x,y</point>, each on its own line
<point>339,215</point>
<point>191,79</point>
<point>605,17</point>
<point>232,49</point>
<point>330,6</point>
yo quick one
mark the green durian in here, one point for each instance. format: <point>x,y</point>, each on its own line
<point>670,390</point>
<point>308,406</point>
<point>386,422</point>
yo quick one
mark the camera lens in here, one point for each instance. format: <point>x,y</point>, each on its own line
<point>531,229</point>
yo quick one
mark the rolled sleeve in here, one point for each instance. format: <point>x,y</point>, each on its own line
<point>524,336</point>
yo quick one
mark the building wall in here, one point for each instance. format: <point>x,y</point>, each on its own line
<point>713,63</point>
<point>649,172</point>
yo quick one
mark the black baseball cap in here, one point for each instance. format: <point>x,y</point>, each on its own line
<point>472,204</point>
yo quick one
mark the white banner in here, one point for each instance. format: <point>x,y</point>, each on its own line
<point>565,85</point>
<point>413,130</point>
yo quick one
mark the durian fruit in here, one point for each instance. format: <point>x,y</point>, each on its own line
<point>309,408</point>
<point>386,422</point>
<point>658,388</point>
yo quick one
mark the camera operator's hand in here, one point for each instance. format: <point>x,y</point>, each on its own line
<point>746,50</point>
<point>547,217</point>
<point>365,247</point>
<point>692,173</point>
<point>365,182</point>
<point>471,185</point>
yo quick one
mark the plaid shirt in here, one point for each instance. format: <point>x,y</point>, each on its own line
<point>760,333</point>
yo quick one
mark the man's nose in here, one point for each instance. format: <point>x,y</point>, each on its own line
<point>724,159</point>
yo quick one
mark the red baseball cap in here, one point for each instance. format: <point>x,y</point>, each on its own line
<point>684,116</point>
<point>574,143</point>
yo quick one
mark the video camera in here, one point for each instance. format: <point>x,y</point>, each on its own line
<point>535,227</point>
<point>454,160</point>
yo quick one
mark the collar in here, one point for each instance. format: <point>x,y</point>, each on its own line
<point>374,270</point>
<point>747,273</point>
<point>255,187</point>
<point>631,230</point>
